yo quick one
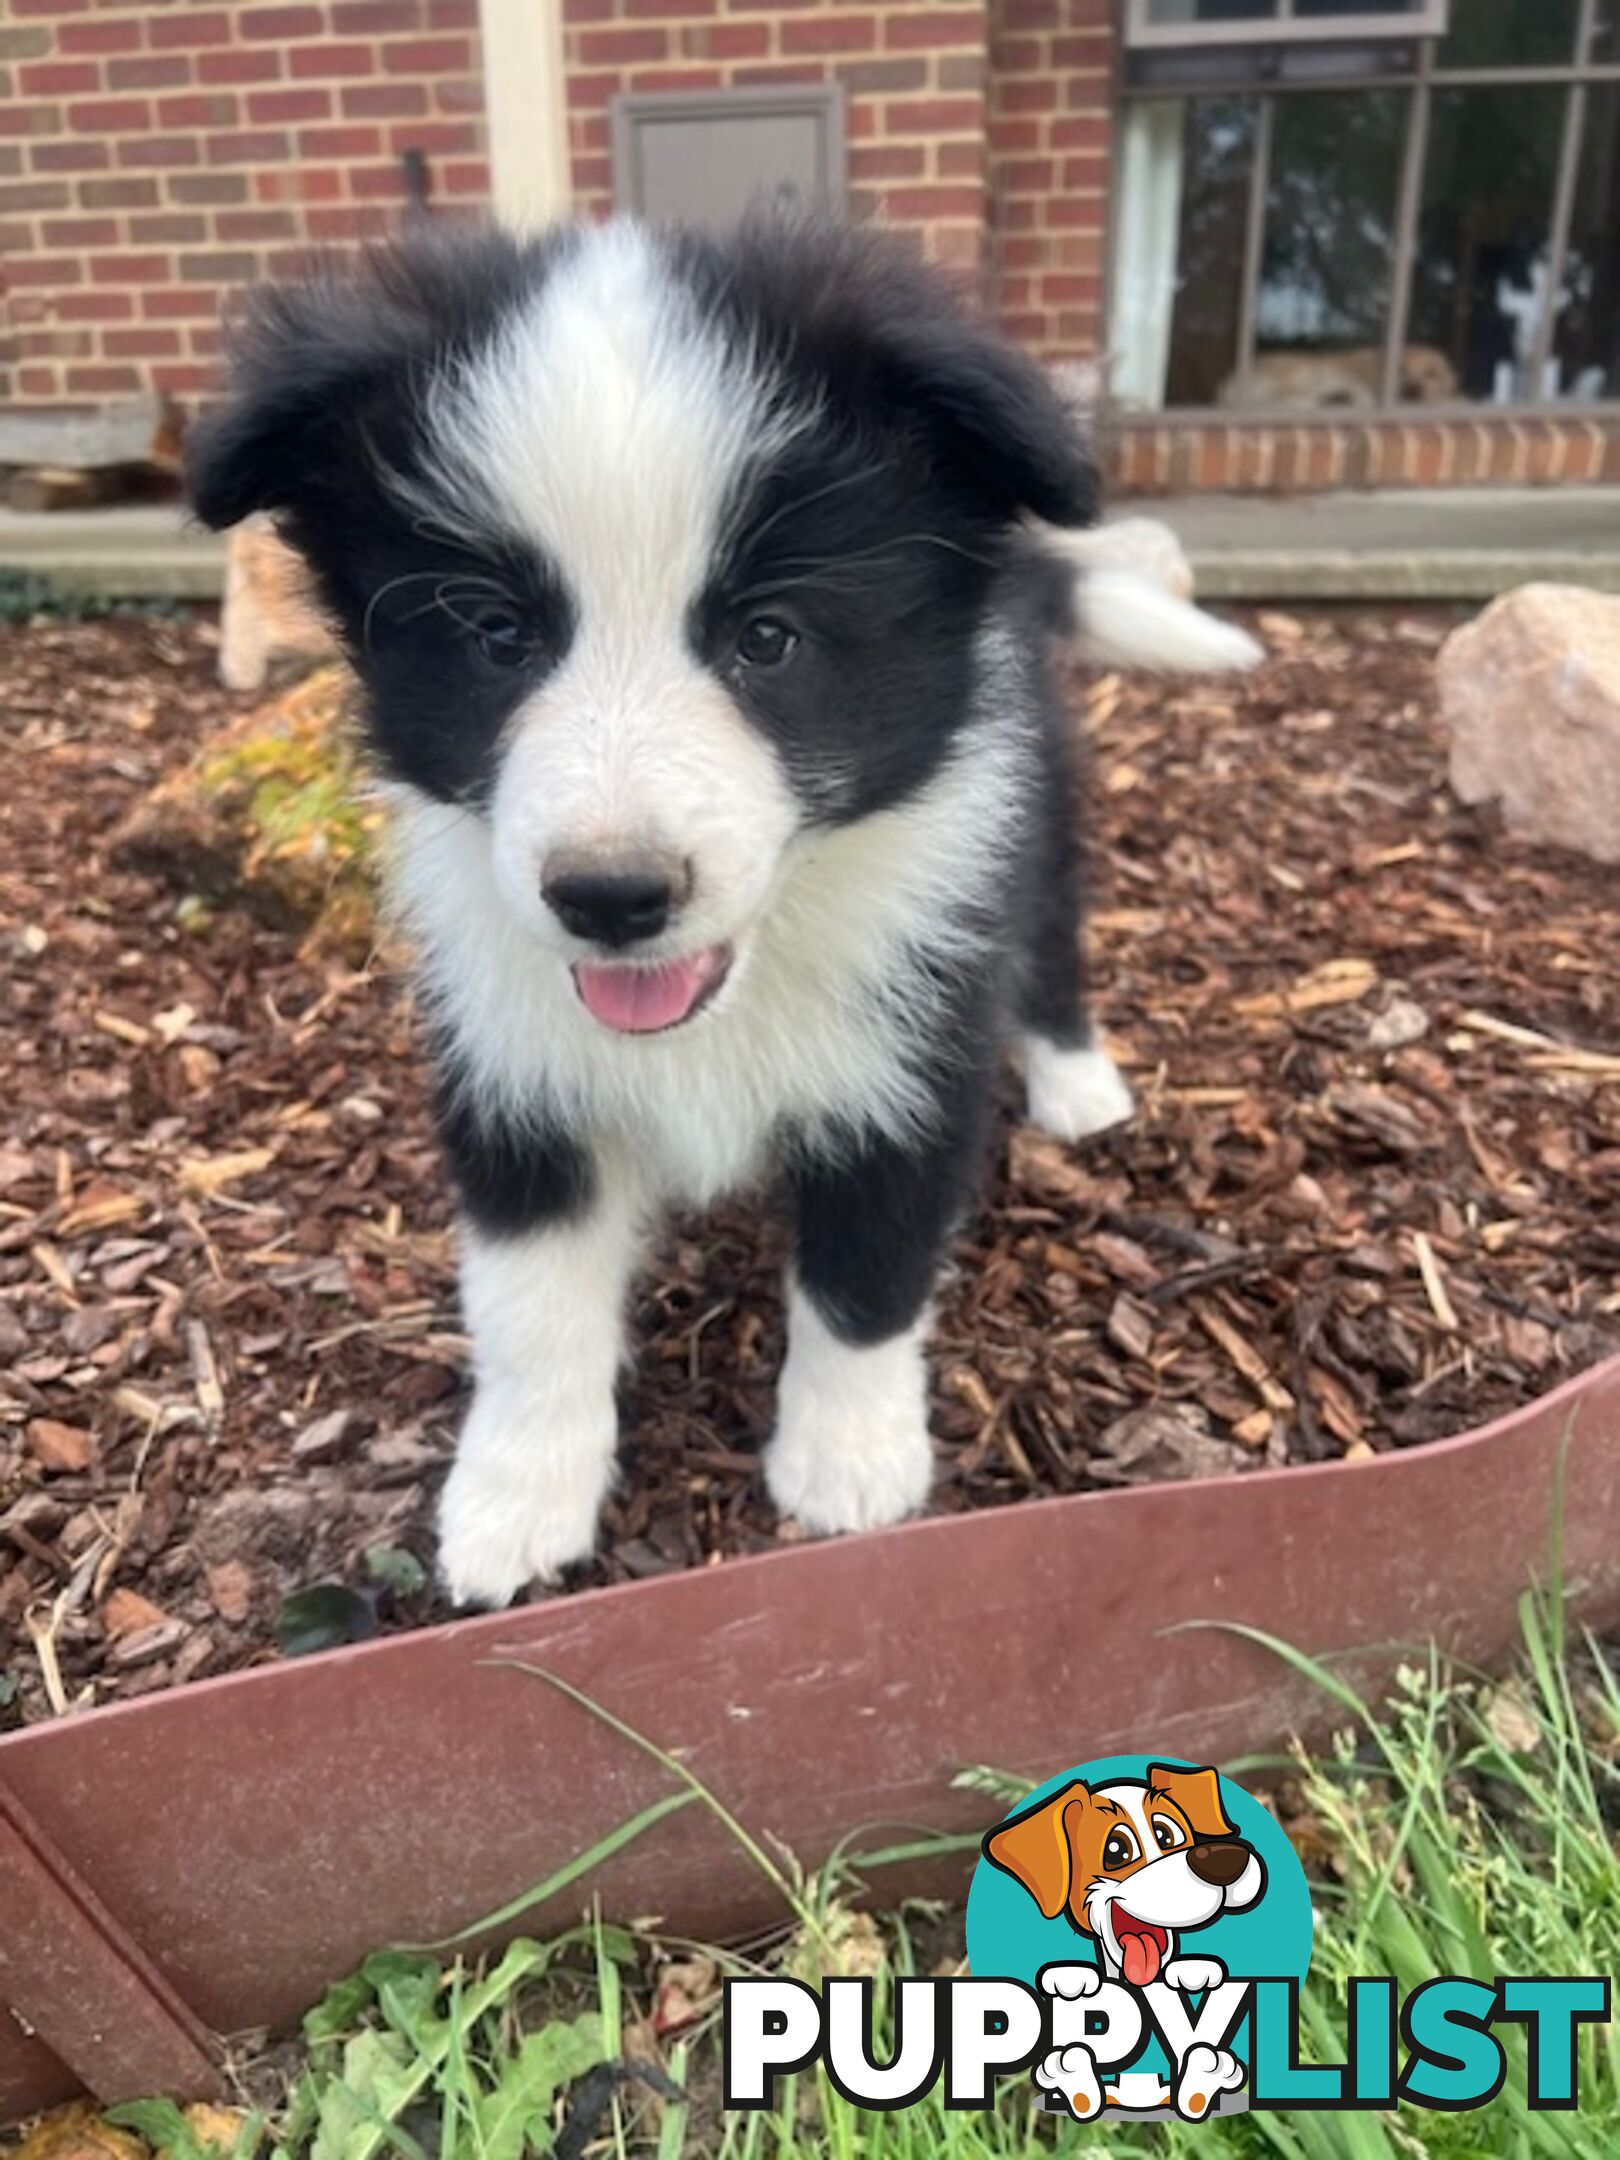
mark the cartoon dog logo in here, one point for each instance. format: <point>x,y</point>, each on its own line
<point>1137,1865</point>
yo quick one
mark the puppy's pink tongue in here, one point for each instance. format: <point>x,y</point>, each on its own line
<point>641,1000</point>
<point>1139,1957</point>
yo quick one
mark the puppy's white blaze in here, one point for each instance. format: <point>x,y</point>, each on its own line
<point>611,426</point>
<point>610,422</point>
<point>536,1452</point>
<point>851,1450</point>
<point>823,1018</point>
<point>608,753</point>
<point>1128,621</point>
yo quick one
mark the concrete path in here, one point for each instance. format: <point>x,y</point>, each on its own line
<point>139,551</point>
<point>1435,544</point>
<point>1450,544</point>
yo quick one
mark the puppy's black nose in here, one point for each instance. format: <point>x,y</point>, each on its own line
<point>1221,1863</point>
<point>613,903</point>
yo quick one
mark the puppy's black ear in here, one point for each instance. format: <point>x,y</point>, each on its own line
<point>318,366</point>
<point>994,416</point>
<point>306,362</point>
<point>862,313</point>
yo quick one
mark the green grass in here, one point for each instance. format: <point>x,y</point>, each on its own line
<point>1470,1827</point>
<point>26,597</point>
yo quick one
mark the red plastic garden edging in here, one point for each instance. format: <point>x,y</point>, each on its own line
<point>191,1864</point>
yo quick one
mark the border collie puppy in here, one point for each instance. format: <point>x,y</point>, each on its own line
<point>706,656</point>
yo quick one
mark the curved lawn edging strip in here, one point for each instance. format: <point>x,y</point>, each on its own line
<point>209,1859</point>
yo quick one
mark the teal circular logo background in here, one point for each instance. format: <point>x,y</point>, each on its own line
<point>1007,1937</point>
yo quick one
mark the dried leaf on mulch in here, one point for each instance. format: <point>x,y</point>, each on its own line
<point>1371,1197</point>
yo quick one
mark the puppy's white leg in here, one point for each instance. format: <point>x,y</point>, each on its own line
<point>851,1450</point>
<point>545,1310</point>
<point>1074,1092</point>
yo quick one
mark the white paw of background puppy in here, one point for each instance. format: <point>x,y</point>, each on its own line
<point>1192,1975</point>
<point>1072,2072</point>
<point>1071,1982</point>
<point>1074,1093</point>
<point>1205,2073</point>
<point>519,1506</point>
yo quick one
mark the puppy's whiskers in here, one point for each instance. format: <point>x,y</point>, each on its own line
<point>441,598</point>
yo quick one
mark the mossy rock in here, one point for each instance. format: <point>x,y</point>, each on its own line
<point>272,815</point>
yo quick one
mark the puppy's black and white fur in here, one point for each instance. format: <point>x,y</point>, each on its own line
<point>706,653</point>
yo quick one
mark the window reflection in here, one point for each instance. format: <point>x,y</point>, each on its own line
<point>1586,341</point>
<point>1499,308</point>
<point>1323,298</point>
<point>1509,33</point>
<point>1480,280</point>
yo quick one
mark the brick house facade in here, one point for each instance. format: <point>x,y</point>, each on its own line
<point>158,155</point>
<point>155,158</point>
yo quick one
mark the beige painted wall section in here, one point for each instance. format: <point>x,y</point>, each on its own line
<point>526,111</point>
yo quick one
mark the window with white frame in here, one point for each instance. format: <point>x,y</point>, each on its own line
<point>1423,218</point>
<point>1190,22</point>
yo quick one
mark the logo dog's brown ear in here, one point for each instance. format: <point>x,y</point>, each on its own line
<point>1198,1795</point>
<point>1034,1849</point>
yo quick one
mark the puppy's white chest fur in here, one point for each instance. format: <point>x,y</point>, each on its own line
<point>820,1032</point>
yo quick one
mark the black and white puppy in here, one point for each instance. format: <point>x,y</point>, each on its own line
<point>707,659</point>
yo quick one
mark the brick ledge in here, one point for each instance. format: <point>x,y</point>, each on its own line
<point>1178,454</point>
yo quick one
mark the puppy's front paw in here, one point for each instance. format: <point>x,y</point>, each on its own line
<point>1192,1975</point>
<point>1074,1093</point>
<point>1070,1983</point>
<point>519,1506</point>
<point>1072,2071</point>
<point>1205,2073</point>
<point>851,1450</point>
<point>859,1474</point>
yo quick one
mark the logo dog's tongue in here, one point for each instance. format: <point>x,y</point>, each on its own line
<point>640,1000</point>
<point>1139,1952</point>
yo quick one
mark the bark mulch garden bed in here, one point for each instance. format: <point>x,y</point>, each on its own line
<point>1372,1197</point>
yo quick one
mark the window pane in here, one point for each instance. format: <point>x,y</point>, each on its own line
<point>1308,9</point>
<point>1482,239</point>
<point>1510,33</point>
<point>1586,340</point>
<point>1217,155</point>
<point>1606,31</point>
<point>1324,277</point>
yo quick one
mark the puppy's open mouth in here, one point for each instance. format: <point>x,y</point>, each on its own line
<point>1141,1946</point>
<point>645,998</point>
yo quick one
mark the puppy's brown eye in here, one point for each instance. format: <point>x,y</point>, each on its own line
<point>1120,1850</point>
<point>1167,1834</point>
<point>765,641</point>
<point>502,636</point>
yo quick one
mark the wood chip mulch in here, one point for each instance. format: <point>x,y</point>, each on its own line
<point>1373,1195</point>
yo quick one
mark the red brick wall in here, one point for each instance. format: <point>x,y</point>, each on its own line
<point>157,155</point>
<point>984,129</point>
<point>1051,102</point>
<point>914,72</point>
<point>1169,456</point>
